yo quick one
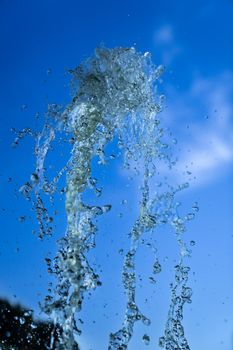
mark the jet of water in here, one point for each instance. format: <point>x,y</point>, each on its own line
<point>114,95</point>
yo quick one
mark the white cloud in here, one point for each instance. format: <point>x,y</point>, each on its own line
<point>216,93</point>
<point>164,38</point>
<point>207,107</point>
<point>164,35</point>
<point>207,161</point>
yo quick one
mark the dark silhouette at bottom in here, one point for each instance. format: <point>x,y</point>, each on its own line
<point>19,331</point>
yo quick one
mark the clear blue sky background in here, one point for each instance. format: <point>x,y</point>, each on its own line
<point>194,40</point>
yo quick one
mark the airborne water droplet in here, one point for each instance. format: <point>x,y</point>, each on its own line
<point>106,208</point>
<point>24,107</point>
<point>146,339</point>
<point>22,218</point>
<point>22,320</point>
<point>157,267</point>
<point>161,342</point>
<point>195,207</point>
<point>28,313</point>
<point>34,178</point>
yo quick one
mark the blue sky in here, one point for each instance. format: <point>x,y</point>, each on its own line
<point>194,40</point>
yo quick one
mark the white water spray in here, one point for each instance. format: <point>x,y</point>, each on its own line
<point>114,95</point>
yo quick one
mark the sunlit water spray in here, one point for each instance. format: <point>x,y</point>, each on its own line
<point>114,96</point>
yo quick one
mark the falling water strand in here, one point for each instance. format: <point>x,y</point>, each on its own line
<point>174,337</point>
<point>156,210</point>
<point>114,95</point>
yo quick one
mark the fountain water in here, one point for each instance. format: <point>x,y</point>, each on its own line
<point>114,95</point>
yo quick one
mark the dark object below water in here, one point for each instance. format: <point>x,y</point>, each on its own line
<point>19,331</point>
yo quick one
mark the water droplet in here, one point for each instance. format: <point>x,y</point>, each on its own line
<point>162,342</point>
<point>157,267</point>
<point>24,107</point>
<point>152,280</point>
<point>190,216</point>
<point>146,339</point>
<point>34,178</point>
<point>195,207</point>
<point>146,321</point>
<point>106,208</point>
<point>22,218</point>
<point>28,313</point>
<point>22,320</point>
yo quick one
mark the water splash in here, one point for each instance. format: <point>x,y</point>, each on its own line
<point>114,95</point>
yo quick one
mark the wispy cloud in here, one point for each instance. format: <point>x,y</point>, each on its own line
<point>164,35</point>
<point>206,150</point>
<point>164,39</point>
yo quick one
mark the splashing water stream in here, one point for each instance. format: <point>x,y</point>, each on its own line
<point>114,95</point>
